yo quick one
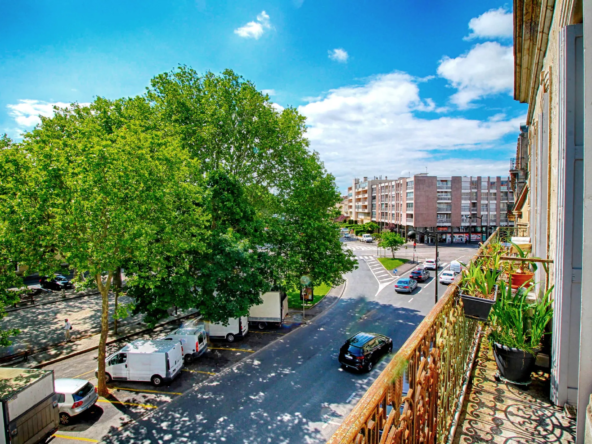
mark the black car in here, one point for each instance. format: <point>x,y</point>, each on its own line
<point>420,274</point>
<point>56,283</point>
<point>364,350</point>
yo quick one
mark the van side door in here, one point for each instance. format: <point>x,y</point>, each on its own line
<point>117,367</point>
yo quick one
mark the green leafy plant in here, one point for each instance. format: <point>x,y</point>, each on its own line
<point>515,322</point>
<point>477,281</point>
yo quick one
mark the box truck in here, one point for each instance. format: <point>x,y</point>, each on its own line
<point>236,328</point>
<point>272,310</point>
<point>28,406</point>
<point>156,361</point>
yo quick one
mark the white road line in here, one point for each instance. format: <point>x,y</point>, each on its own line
<point>350,397</point>
<point>409,300</point>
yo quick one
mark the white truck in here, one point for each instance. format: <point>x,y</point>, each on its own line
<point>157,361</point>
<point>272,310</point>
<point>236,328</point>
<point>28,406</point>
<point>366,238</point>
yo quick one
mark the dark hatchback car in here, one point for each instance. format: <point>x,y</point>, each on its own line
<point>420,274</point>
<point>56,283</point>
<point>364,350</point>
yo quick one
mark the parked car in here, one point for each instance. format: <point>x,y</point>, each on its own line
<point>447,277</point>
<point>156,361</point>
<point>367,238</point>
<point>56,283</point>
<point>364,350</point>
<point>74,397</point>
<point>405,285</point>
<point>194,341</point>
<point>420,274</point>
<point>430,264</point>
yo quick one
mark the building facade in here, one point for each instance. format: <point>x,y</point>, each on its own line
<point>457,208</point>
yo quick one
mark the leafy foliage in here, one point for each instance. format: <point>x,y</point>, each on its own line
<point>389,239</point>
<point>517,323</point>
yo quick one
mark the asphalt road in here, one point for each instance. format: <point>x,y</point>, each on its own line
<point>293,390</point>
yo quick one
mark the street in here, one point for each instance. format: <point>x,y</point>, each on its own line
<point>274,386</point>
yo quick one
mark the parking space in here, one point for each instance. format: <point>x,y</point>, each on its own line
<point>129,401</point>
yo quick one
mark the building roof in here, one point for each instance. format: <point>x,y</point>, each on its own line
<point>14,380</point>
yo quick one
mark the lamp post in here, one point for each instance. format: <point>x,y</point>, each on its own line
<point>480,220</point>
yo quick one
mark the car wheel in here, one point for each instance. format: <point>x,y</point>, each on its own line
<point>230,337</point>
<point>156,380</point>
<point>188,359</point>
<point>369,366</point>
<point>64,419</point>
<point>262,325</point>
<point>108,378</point>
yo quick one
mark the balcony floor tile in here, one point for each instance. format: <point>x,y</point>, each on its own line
<point>497,412</point>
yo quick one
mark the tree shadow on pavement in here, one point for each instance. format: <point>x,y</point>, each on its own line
<point>294,391</point>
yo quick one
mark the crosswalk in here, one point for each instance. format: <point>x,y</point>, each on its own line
<point>366,258</point>
<point>361,247</point>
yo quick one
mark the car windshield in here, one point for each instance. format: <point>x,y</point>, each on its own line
<point>81,394</point>
<point>404,281</point>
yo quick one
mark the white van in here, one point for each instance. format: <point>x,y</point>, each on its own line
<point>194,341</point>
<point>236,328</point>
<point>156,361</point>
<point>455,267</point>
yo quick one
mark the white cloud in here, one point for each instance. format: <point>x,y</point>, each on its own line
<point>277,107</point>
<point>254,30</point>
<point>26,113</point>
<point>339,55</point>
<point>269,92</point>
<point>375,129</point>
<point>487,69</point>
<point>495,23</point>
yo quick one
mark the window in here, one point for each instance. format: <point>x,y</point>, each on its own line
<point>484,208</point>
<point>410,195</point>
<point>409,184</point>
<point>409,206</point>
<point>444,196</point>
<point>465,208</point>
<point>61,398</point>
<point>120,358</point>
<point>444,207</point>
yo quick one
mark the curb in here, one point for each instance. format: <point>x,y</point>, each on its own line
<point>111,341</point>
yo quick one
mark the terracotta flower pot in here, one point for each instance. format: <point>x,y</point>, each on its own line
<point>519,279</point>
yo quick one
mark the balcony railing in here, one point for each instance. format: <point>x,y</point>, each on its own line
<point>418,396</point>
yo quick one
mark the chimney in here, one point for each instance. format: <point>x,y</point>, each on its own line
<point>365,179</point>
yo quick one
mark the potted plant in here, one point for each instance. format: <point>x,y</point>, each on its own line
<point>517,328</point>
<point>478,290</point>
<point>522,274</point>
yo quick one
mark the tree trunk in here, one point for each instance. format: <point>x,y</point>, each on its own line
<point>104,289</point>
<point>393,251</point>
<point>117,290</point>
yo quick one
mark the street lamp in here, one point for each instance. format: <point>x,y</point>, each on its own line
<point>471,224</point>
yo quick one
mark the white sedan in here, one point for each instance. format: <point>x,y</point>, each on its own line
<point>430,264</point>
<point>447,277</point>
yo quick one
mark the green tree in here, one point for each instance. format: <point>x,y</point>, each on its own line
<point>391,240</point>
<point>98,188</point>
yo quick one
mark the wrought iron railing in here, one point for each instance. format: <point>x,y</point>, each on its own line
<point>418,395</point>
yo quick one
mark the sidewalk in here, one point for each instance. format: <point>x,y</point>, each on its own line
<point>62,350</point>
<point>42,326</point>
<point>295,315</point>
<point>48,297</point>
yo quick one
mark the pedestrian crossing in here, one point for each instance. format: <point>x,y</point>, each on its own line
<point>361,247</point>
<point>366,258</point>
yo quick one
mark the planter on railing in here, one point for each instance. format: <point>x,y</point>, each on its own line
<point>478,307</point>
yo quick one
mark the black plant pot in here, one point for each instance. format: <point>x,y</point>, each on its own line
<point>514,364</point>
<point>477,308</point>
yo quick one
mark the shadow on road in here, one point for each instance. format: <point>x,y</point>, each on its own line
<point>292,392</point>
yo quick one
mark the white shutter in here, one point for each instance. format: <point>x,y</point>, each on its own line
<point>568,254</point>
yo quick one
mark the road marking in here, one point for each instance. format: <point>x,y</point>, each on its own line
<point>146,406</point>
<point>233,349</point>
<point>74,438</point>
<point>198,371</point>
<point>350,397</point>
<point>409,300</point>
<point>148,391</point>
<point>82,374</point>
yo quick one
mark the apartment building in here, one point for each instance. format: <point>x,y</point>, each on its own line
<point>458,208</point>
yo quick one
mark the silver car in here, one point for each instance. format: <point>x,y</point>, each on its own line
<point>74,397</point>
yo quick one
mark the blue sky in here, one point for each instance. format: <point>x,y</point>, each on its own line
<point>388,86</point>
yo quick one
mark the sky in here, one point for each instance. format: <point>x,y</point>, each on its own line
<point>389,87</point>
